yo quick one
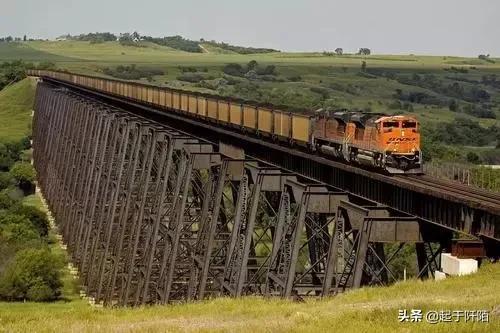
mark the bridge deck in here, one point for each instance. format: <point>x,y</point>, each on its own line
<point>471,211</point>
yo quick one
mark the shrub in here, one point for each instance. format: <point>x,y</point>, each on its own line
<point>6,201</point>
<point>6,160</point>
<point>37,218</point>
<point>453,105</point>
<point>24,174</point>
<point>268,70</point>
<point>19,232</point>
<point>294,78</point>
<point>479,111</point>
<point>132,72</point>
<point>33,275</point>
<point>321,91</point>
<point>25,142</point>
<point>240,49</point>
<point>6,180</point>
<point>188,69</point>
<point>234,70</point>
<point>472,157</point>
<point>177,42</point>
<point>190,77</point>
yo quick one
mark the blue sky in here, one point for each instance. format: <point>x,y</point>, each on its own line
<point>444,27</point>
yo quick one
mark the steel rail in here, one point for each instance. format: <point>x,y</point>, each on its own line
<point>415,184</point>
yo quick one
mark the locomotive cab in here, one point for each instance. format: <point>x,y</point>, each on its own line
<point>399,140</point>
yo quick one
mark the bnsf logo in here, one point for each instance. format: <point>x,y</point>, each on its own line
<point>401,140</point>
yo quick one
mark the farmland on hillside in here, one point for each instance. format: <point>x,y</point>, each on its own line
<point>441,91</point>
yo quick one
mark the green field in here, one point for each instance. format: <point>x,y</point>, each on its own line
<point>337,78</point>
<point>363,310</point>
<point>16,103</point>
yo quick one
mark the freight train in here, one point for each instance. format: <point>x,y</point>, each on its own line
<point>388,143</point>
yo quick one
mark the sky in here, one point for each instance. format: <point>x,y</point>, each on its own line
<point>440,27</point>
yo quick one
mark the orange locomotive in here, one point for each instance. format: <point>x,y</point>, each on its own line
<point>388,142</point>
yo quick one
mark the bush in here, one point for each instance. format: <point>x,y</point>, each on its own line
<point>479,111</point>
<point>33,275</point>
<point>187,69</point>
<point>11,72</point>
<point>6,158</point>
<point>9,153</point>
<point>268,70</point>
<point>234,70</point>
<point>24,174</point>
<point>323,92</point>
<point>19,231</point>
<point>25,142</point>
<point>6,201</point>
<point>37,218</point>
<point>294,78</point>
<point>473,158</point>
<point>193,77</point>
<point>177,42</point>
<point>240,49</point>
<point>6,180</point>
<point>132,72</point>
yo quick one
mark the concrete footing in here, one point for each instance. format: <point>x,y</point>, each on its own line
<point>452,265</point>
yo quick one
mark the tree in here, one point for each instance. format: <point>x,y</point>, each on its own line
<point>6,160</point>
<point>453,105</point>
<point>6,201</point>
<point>37,218</point>
<point>252,65</point>
<point>25,175</point>
<point>472,157</point>
<point>268,70</point>
<point>34,274</point>
<point>6,180</point>
<point>25,38</point>
<point>19,233</point>
<point>233,69</point>
<point>339,51</point>
<point>364,51</point>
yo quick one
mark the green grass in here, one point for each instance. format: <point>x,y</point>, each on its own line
<point>33,200</point>
<point>339,75</point>
<point>363,310</point>
<point>16,103</point>
<point>23,51</point>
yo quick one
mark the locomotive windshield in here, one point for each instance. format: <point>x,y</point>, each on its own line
<point>389,124</point>
<point>409,124</point>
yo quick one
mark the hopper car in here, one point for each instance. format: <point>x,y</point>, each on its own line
<point>387,143</point>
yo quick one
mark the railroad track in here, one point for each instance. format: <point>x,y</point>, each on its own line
<point>437,195</point>
<point>467,192</point>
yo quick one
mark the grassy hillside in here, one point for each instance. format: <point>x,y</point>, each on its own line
<point>308,80</point>
<point>15,51</point>
<point>16,103</point>
<point>439,90</point>
<point>364,310</point>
